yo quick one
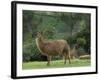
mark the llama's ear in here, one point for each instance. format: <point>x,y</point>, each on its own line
<point>41,32</point>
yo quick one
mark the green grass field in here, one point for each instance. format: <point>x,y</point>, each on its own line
<point>55,64</point>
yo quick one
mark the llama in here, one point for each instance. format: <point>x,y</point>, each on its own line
<point>51,48</point>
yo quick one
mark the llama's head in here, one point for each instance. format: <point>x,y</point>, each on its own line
<point>39,35</point>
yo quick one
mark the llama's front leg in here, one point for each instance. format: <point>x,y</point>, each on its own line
<point>49,59</point>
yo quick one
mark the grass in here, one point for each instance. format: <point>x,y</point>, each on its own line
<point>55,64</point>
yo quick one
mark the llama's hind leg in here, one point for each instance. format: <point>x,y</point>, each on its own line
<point>69,58</point>
<point>65,58</point>
<point>49,59</point>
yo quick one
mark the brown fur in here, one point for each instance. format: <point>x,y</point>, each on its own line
<point>52,48</point>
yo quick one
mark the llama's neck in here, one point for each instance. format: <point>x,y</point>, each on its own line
<point>40,40</point>
<point>40,43</point>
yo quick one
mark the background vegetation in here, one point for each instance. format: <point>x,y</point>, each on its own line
<point>73,27</point>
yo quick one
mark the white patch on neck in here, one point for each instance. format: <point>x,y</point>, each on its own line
<point>37,43</point>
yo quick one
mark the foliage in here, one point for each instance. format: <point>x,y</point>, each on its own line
<point>81,41</point>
